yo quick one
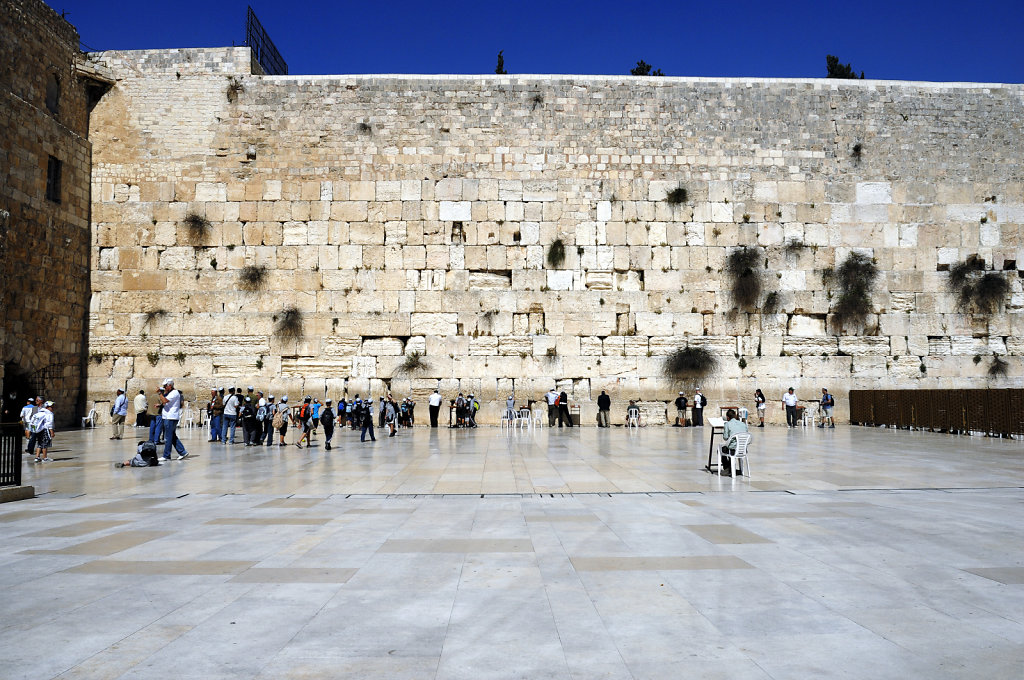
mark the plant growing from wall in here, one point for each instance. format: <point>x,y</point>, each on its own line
<point>365,128</point>
<point>153,358</point>
<point>197,228</point>
<point>235,88</point>
<point>289,323</point>
<point>793,247</point>
<point>743,266</point>
<point>153,315</point>
<point>180,357</point>
<point>677,196</point>
<point>642,68</point>
<point>985,292</point>
<point>856,151</point>
<point>771,303</point>
<point>252,278</point>
<point>556,254</point>
<point>688,363</point>
<point>998,368</point>
<point>413,363</point>
<point>856,277</point>
<point>500,68</point>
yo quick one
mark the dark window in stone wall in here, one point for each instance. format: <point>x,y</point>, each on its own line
<point>53,180</point>
<point>52,93</point>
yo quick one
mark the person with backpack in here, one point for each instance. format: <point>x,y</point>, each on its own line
<point>261,423</point>
<point>473,406</point>
<point>460,410</point>
<point>390,416</point>
<point>699,402</point>
<point>680,411</point>
<point>145,456</point>
<point>42,428</point>
<point>268,422</point>
<point>327,420</point>
<point>363,414</point>
<point>316,414</point>
<point>280,420</point>
<point>304,419</point>
<point>249,422</point>
<point>828,402</point>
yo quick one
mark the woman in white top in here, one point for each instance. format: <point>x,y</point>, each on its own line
<point>42,426</point>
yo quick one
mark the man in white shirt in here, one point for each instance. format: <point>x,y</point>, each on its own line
<point>552,397</point>
<point>170,411</point>
<point>28,413</point>
<point>434,402</point>
<point>697,410</point>
<point>230,415</point>
<point>118,413</point>
<point>42,428</point>
<point>141,405</point>
<point>789,401</point>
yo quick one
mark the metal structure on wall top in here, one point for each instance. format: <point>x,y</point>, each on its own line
<point>263,47</point>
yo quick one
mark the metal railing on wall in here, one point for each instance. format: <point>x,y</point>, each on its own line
<point>992,412</point>
<point>263,48</point>
<point>10,454</point>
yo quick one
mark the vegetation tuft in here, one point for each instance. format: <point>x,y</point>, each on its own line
<point>153,315</point>
<point>998,368</point>
<point>197,228</point>
<point>771,303</point>
<point>677,196</point>
<point>289,323</point>
<point>836,70</point>
<point>985,293</point>
<point>413,362</point>
<point>252,278</point>
<point>744,267</point>
<point>856,277</point>
<point>153,358</point>
<point>556,254</point>
<point>642,68</point>
<point>235,88</point>
<point>690,363</point>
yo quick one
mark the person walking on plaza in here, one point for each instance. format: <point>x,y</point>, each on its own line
<point>383,412</point>
<point>280,420</point>
<point>231,404</point>
<point>828,402</point>
<point>327,420</point>
<point>731,427</point>
<point>304,420</point>
<point>42,426</point>
<point>680,411</point>
<point>118,412</point>
<point>363,414</point>
<point>262,421</point>
<point>699,402</point>
<point>563,410</point>
<point>412,410</point>
<point>604,408</point>
<point>552,399</point>
<point>761,404</point>
<point>315,422</point>
<point>434,402</point>
<point>170,400</point>
<point>28,413</point>
<point>141,406</point>
<point>268,422</point>
<point>789,400</point>
<point>216,415</point>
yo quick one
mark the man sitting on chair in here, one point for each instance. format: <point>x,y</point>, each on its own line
<point>732,426</point>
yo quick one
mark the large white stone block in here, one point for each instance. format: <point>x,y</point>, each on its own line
<point>433,323</point>
<point>455,211</point>
<point>874,192</point>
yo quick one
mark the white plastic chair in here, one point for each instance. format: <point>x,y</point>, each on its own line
<point>523,418</point>
<point>508,419</point>
<point>538,417</point>
<point>90,419</point>
<point>742,440</point>
<point>188,417</point>
<point>633,420</point>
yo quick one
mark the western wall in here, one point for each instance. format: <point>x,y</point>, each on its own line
<point>399,216</point>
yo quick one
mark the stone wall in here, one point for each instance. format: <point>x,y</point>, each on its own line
<point>403,214</point>
<point>44,244</point>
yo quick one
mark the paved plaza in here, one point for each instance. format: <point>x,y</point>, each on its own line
<point>582,553</point>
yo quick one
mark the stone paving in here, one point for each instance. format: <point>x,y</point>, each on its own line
<point>584,553</point>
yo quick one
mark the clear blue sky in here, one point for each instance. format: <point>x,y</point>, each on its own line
<point>941,41</point>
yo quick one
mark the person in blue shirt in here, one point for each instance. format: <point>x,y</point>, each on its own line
<point>118,413</point>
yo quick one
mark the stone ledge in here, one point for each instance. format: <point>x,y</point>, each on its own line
<point>16,493</point>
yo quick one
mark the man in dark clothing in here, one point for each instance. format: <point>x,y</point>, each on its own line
<point>563,410</point>
<point>604,407</point>
<point>680,410</point>
<point>365,418</point>
<point>327,420</point>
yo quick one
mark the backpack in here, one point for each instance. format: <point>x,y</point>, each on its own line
<point>304,413</point>
<point>558,400</point>
<point>261,413</point>
<point>278,422</point>
<point>476,405</point>
<point>147,453</point>
<point>703,401</point>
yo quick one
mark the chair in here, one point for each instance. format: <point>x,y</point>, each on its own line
<point>632,420</point>
<point>90,419</point>
<point>538,417</point>
<point>742,440</point>
<point>508,418</point>
<point>188,417</point>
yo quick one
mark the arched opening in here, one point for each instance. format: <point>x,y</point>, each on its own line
<point>15,390</point>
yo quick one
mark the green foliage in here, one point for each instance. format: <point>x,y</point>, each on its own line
<point>556,254</point>
<point>742,363</point>
<point>413,362</point>
<point>196,227</point>
<point>180,357</point>
<point>690,363</point>
<point>984,292</point>
<point>642,68</point>
<point>252,278</point>
<point>153,358</point>
<point>500,68</point>
<point>97,357</point>
<point>743,265</point>
<point>259,364</point>
<point>235,88</point>
<point>856,151</point>
<point>289,323</point>
<point>837,70</point>
<point>855,277</point>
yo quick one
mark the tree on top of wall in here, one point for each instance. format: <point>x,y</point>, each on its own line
<point>642,68</point>
<point>837,70</point>
<point>500,68</point>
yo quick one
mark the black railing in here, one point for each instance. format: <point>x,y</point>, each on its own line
<point>993,412</point>
<point>263,47</point>
<point>10,454</point>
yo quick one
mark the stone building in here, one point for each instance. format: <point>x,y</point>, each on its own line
<point>45,95</point>
<point>383,217</point>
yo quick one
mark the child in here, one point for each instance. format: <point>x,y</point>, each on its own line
<point>145,456</point>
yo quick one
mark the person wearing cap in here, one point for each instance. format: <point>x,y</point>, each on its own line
<point>363,414</point>
<point>680,411</point>
<point>282,408</point>
<point>699,402</point>
<point>117,414</point>
<point>216,415</point>
<point>304,418</point>
<point>170,400</point>
<point>327,420</point>
<point>262,421</point>
<point>827,404</point>
<point>249,422</point>
<point>434,403</point>
<point>551,397</point>
<point>316,414</point>
<point>412,410</point>
<point>28,412</point>
<point>268,422</point>
<point>390,415</point>
<point>789,400</point>
<point>604,408</point>
<point>141,406</point>
<point>42,427</point>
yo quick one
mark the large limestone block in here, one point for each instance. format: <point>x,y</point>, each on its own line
<point>298,367</point>
<point>806,326</point>
<point>433,323</point>
<point>864,345</point>
<point>796,345</point>
<point>455,211</point>
<point>652,323</point>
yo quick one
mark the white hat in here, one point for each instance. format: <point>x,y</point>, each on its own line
<point>167,381</point>
<point>271,396</point>
<point>284,398</point>
<point>680,394</point>
<point>250,388</point>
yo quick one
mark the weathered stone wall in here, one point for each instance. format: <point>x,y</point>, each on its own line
<point>44,244</point>
<point>406,214</point>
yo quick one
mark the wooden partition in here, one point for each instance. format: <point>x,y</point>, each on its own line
<point>994,412</point>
